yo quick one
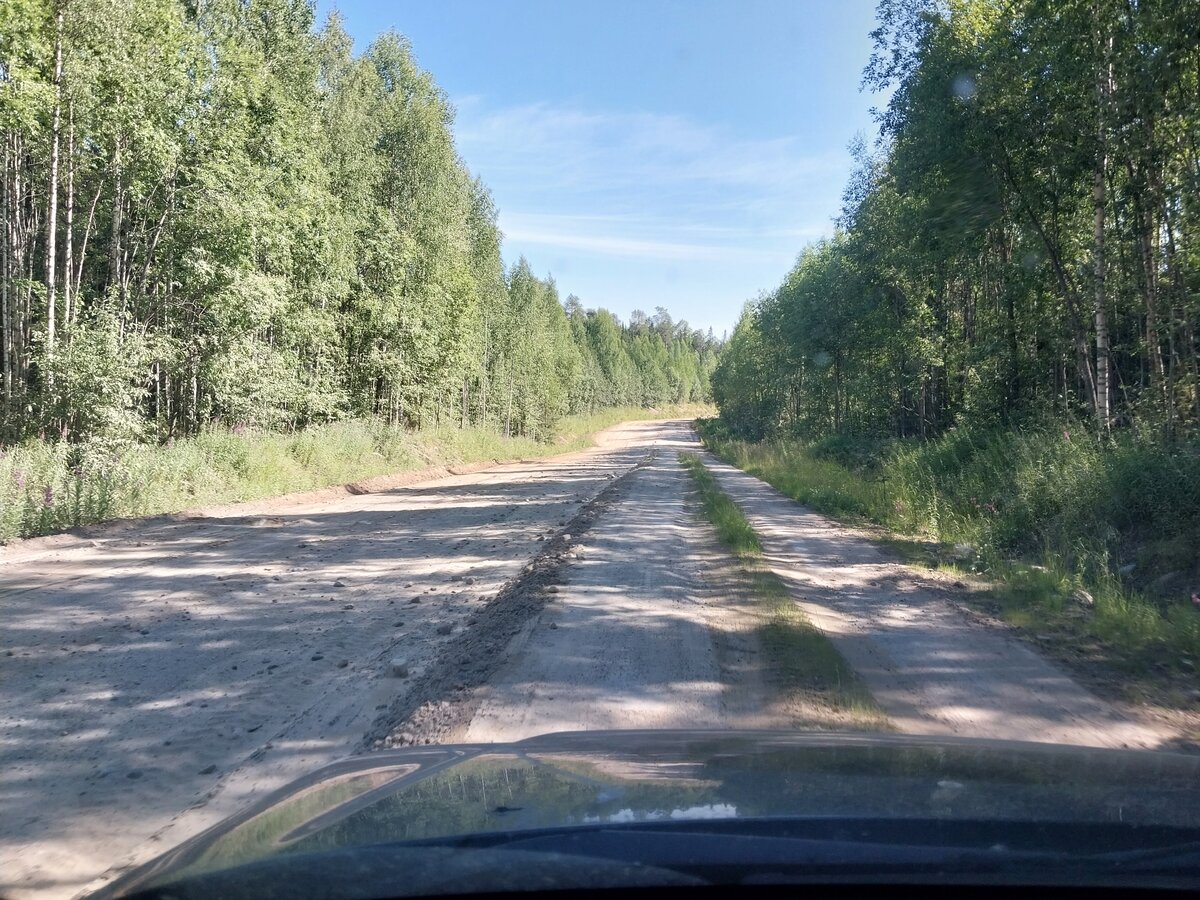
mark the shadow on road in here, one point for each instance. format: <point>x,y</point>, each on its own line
<point>139,672</point>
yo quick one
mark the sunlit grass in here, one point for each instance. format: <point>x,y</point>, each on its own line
<point>820,687</point>
<point>733,529</point>
<point>1038,515</point>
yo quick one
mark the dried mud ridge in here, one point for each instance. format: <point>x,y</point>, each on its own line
<point>441,702</point>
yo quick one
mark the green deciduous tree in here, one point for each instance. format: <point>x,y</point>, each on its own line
<point>1020,245</point>
<point>217,213</point>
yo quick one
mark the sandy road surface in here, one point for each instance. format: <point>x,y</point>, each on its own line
<point>629,641</point>
<point>637,636</point>
<point>155,681</point>
<point>162,677</point>
<point>933,668</point>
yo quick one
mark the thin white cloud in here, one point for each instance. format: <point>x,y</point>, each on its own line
<point>583,149</point>
<point>631,236</point>
<point>633,247</point>
<point>636,208</point>
<point>627,222</point>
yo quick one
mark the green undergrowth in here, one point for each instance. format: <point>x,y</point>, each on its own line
<point>823,688</point>
<point>1096,543</point>
<point>49,487</point>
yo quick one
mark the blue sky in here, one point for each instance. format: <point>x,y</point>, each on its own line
<point>674,153</point>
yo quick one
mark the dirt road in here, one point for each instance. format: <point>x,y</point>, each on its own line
<point>157,679</point>
<point>638,634</point>
<point>933,667</point>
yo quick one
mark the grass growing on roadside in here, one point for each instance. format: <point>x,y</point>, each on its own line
<point>819,685</point>
<point>49,487</point>
<point>1047,517</point>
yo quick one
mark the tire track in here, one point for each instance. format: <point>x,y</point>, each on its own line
<point>441,703</point>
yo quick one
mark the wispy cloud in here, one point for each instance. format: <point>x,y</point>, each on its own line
<point>633,237</point>
<point>647,185</point>
<point>635,209</point>
<point>631,247</point>
<point>585,149</point>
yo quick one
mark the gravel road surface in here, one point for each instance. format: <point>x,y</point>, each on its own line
<point>637,636</point>
<point>157,677</point>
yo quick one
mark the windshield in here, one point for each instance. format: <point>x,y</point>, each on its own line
<point>383,378</point>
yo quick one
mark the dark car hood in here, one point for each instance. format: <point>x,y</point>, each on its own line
<point>612,779</point>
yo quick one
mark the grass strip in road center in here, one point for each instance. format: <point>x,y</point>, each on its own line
<point>817,686</point>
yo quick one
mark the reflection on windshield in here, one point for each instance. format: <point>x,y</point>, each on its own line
<point>498,792</point>
<point>707,811</point>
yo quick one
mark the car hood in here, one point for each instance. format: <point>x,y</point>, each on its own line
<point>613,779</point>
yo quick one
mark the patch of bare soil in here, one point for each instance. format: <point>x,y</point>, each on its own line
<point>160,675</point>
<point>642,631</point>
<point>753,641</point>
<point>249,511</point>
<point>1152,699</point>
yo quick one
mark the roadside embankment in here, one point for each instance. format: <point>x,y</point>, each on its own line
<point>49,487</point>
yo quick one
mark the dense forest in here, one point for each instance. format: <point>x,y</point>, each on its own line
<point>216,213</point>
<point>998,347</point>
<point>1021,245</point>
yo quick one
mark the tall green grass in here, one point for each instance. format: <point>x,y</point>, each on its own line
<point>1052,514</point>
<point>733,528</point>
<point>48,487</point>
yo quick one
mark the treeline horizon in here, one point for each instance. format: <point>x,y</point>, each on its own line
<point>217,213</point>
<point>1021,246</point>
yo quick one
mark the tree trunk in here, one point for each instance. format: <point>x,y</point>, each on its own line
<point>6,325</point>
<point>1179,295</point>
<point>508,416</point>
<point>69,237</point>
<point>83,245</point>
<point>114,243</point>
<point>1103,400</point>
<point>1013,388</point>
<point>52,201</point>
<point>1066,284</point>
